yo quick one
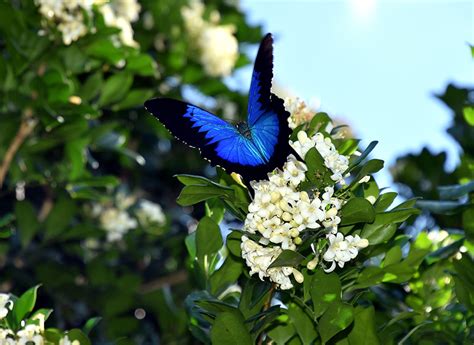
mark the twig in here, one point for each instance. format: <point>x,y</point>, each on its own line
<point>266,305</point>
<point>172,279</point>
<point>26,127</point>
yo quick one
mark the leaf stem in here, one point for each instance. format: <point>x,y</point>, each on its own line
<point>266,305</point>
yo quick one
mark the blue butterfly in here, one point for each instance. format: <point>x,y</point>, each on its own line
<point>252,148</point>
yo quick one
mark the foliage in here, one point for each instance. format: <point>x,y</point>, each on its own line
<point>440,297</point>
<point>23,324</point>
<point>79,153</point>
<point>339,307</point>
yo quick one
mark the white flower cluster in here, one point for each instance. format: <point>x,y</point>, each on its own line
<point>117,221</point>
<point>300,113</point>
<point>150,213</point>
<point>217,46</point>
<point>343,249</point>
<point>68,16</point>
<point>334,161</point>
<point>30,334</point>
<point>279,213</point>
<point>121,14</point>
<point>5,304</point>
<point>258,258</point>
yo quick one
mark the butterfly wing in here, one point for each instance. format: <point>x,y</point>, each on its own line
<point>218,141</point>
<point>267,117</point>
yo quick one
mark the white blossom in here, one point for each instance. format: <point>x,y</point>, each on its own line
<point>121,14</point>
<point>299,112</point>
<point>31,335</point>
<point>150,213</point>
<point>334,161</point>
<point>7,337</point>
<point>5,304</point>
<point>67,16</point>
<point>66,341</point>
<point>258,258</point>
<point>216,45</point>
<point>342,250</point>
<point>117,223</point>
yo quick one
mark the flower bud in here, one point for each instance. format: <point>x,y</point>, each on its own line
<point>311,265</point>
<point>298,276</point>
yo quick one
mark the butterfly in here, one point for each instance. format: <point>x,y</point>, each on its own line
<point>251,149</point>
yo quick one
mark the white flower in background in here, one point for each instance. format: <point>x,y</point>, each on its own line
<point>342,250</point>
<point>121,14</point>
<point>30,335</point>
<point>117,223</point>
<point>258,258</point>
<point>67,16</point>
<point>150,213</point>
<point>5,305</point>
<point>66,341</point>
<point>7,337</point>
<point>334,161</point>
<point>217,46</point>
<point>300,113</point>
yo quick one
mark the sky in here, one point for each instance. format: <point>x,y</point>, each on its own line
<point>375,65</point>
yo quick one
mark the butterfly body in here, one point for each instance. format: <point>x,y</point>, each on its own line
<point>250,148</point>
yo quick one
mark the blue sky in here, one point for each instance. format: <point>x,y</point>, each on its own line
<point>373,64</point>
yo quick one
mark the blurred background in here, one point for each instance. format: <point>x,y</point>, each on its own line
<point>338,54</point>
<point>87,193</point>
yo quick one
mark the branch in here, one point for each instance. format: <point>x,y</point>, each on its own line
<point>26,127</point>
<point>267,305</point>
<point>172,279</point>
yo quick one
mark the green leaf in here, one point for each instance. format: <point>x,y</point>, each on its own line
<point>303,324</point>
<point>455,191</point>
<point>337,317</point>
<point>229,329</point>
<point>363,155</point>
<point>77,334</point>
<point>92,86</point>
<point>288,258</point>
<point>317,172</point>
<point>325,289</point>
<point>385,225</point>
<point>393,256</point>
<point>368,168</point>
<point>469,115</point>
<point>357,210</point>
<point>442,206</point>
<point>24,305</point>
<point>59,217</point>
<point>468,223</point>
<point>115,88</point>
<point>282,333</point>
<point>105,49</point>
<point>208,240</point>
<point>75,151</point>
<point>134,98</point>
<point>234,239</point>
<point>318,123</point>
<point>226,275</point>
<point>142,64</point>
<point>27,221</point>
<point>384,201</point>
<point>364,330</point>
<point>90,324</point>
<point>194,194</point>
